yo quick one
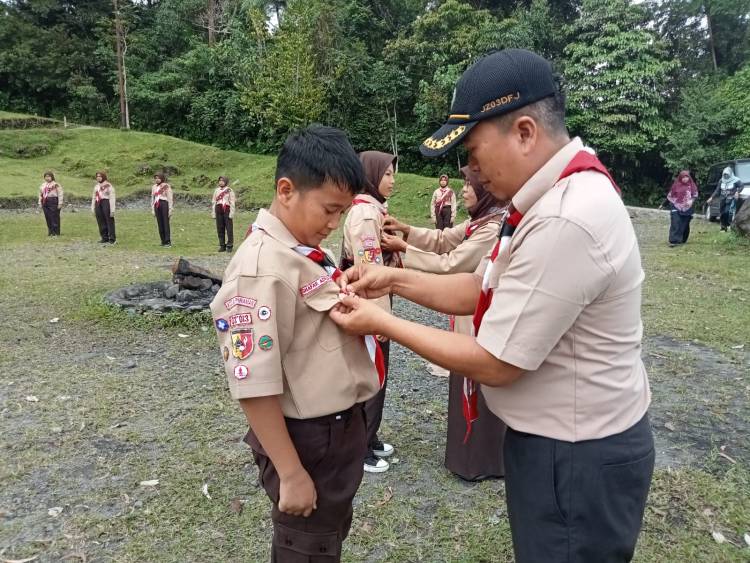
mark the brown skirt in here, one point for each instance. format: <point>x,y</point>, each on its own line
<point>482,456</point>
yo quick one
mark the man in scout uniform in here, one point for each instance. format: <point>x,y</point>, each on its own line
<point>300,380</point>
<point>558,350</point>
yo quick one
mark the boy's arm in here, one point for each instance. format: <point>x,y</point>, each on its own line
<point>297,495</point>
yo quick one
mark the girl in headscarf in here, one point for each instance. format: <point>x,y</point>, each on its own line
<point>103,208</point>
<point>728,189</point>
<point>223,204</point>
<point>51,202</point>
<point>363,230</point>
<point>681,197</point>
<point>473,449</point>
<point>443,205</point>
<point>162,202</point>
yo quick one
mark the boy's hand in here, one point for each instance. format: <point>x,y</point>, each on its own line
<point>297,494</point>
<point>367,280</point>
<point>359,316</point>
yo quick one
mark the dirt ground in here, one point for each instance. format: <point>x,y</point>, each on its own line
<point>93,408</point>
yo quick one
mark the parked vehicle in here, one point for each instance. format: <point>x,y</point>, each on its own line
<point>741,169</point>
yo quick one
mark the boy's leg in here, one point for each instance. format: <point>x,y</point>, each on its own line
<point>331,449</point>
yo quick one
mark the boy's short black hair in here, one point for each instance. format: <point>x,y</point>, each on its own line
<point>316,154</point>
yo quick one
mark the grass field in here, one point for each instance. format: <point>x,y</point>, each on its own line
<point>130,158</point>
<point>98,402</point>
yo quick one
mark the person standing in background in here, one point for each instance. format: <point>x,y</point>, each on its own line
<point>103,207</point>
<point>443,205</point>
<point>681,196</point>
<point>162,202</point>
<point>728,189</point>
<point>223,205</point>
<point>51,202</point>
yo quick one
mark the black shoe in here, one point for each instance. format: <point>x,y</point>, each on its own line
<point>222,249</point>
<point>168,245</point>
<point>229,248</point>
<point>113,242</point>
<point>103,241</point>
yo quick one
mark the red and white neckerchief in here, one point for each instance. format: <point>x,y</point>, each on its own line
<point>581,162</point>
<point>159,192</point>
<point>48,187</point>
<point>220,197</point>
<point>100,189</point>
<point>358,201</point>
<point>444,198</point>
<point>473,226</point>
<point>321,258</point>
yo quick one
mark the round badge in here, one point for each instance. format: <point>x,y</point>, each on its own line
<point>240,372</point>
<point>264,313</point>
<point>265,343</point>
<point>225,353</point>
<point>222,325</point>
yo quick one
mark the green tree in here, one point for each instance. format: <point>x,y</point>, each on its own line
<point>616,71</point>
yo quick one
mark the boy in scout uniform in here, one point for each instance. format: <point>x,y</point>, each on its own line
<point>300,380</point>
<point>557,318</point>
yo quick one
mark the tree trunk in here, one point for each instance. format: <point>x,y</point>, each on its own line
<point>711,44</point>
<point>211,22</point>
<point>120,67</point>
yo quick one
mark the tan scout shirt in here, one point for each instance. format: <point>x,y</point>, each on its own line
<point>567,310</point>
<point>164,195</point>
<point>274,305</point>
<point>448,251</point>
<point>106,191</point>
<point>53,190</point>
<point>363,230</point>
<point>437,195</point>
<point>227,199</point>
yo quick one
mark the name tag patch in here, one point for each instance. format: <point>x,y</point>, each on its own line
<point>309,288</point>
<point>240,319</point>
<point>240,300</point>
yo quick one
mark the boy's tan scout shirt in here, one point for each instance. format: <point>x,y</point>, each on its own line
<point>276,338</point>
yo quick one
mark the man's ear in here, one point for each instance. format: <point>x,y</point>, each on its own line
<point>526,132</point>
<point>285,190</point>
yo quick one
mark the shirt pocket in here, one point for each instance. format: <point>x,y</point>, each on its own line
<point>329,336</point>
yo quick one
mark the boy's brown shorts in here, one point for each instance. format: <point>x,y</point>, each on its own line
<point>331,449</point>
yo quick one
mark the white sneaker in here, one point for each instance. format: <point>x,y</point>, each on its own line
<point>383,450</point>
<point>376,465</point>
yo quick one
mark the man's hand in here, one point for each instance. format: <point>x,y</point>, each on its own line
<point>392,243</point>
<point>359,316</point>
<point>367,280</point>
<point>392,224</point>
<point>297,494</point>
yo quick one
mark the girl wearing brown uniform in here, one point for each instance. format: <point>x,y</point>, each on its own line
<point>103,207</point>
<point>162,202</point>
<point>223,205</point>
<point>51,202</point>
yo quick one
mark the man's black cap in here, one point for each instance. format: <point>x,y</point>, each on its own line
<point>498,83</point>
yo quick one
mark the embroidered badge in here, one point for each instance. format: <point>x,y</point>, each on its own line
<point>307,289</point>
<point>368,242</point>
<point>265,343</point>
<point>241,319</point>
<point>372,256</point>
<point>240,300</point>
<point>222,325</point>
<point>241,372</point>
<point>242,343</point>
<point>264,313</point>
<point>225,353</point>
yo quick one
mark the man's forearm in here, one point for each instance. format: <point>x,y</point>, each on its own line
<point>456,352</point>
<point>267,422</point>
<point>454,294</point>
